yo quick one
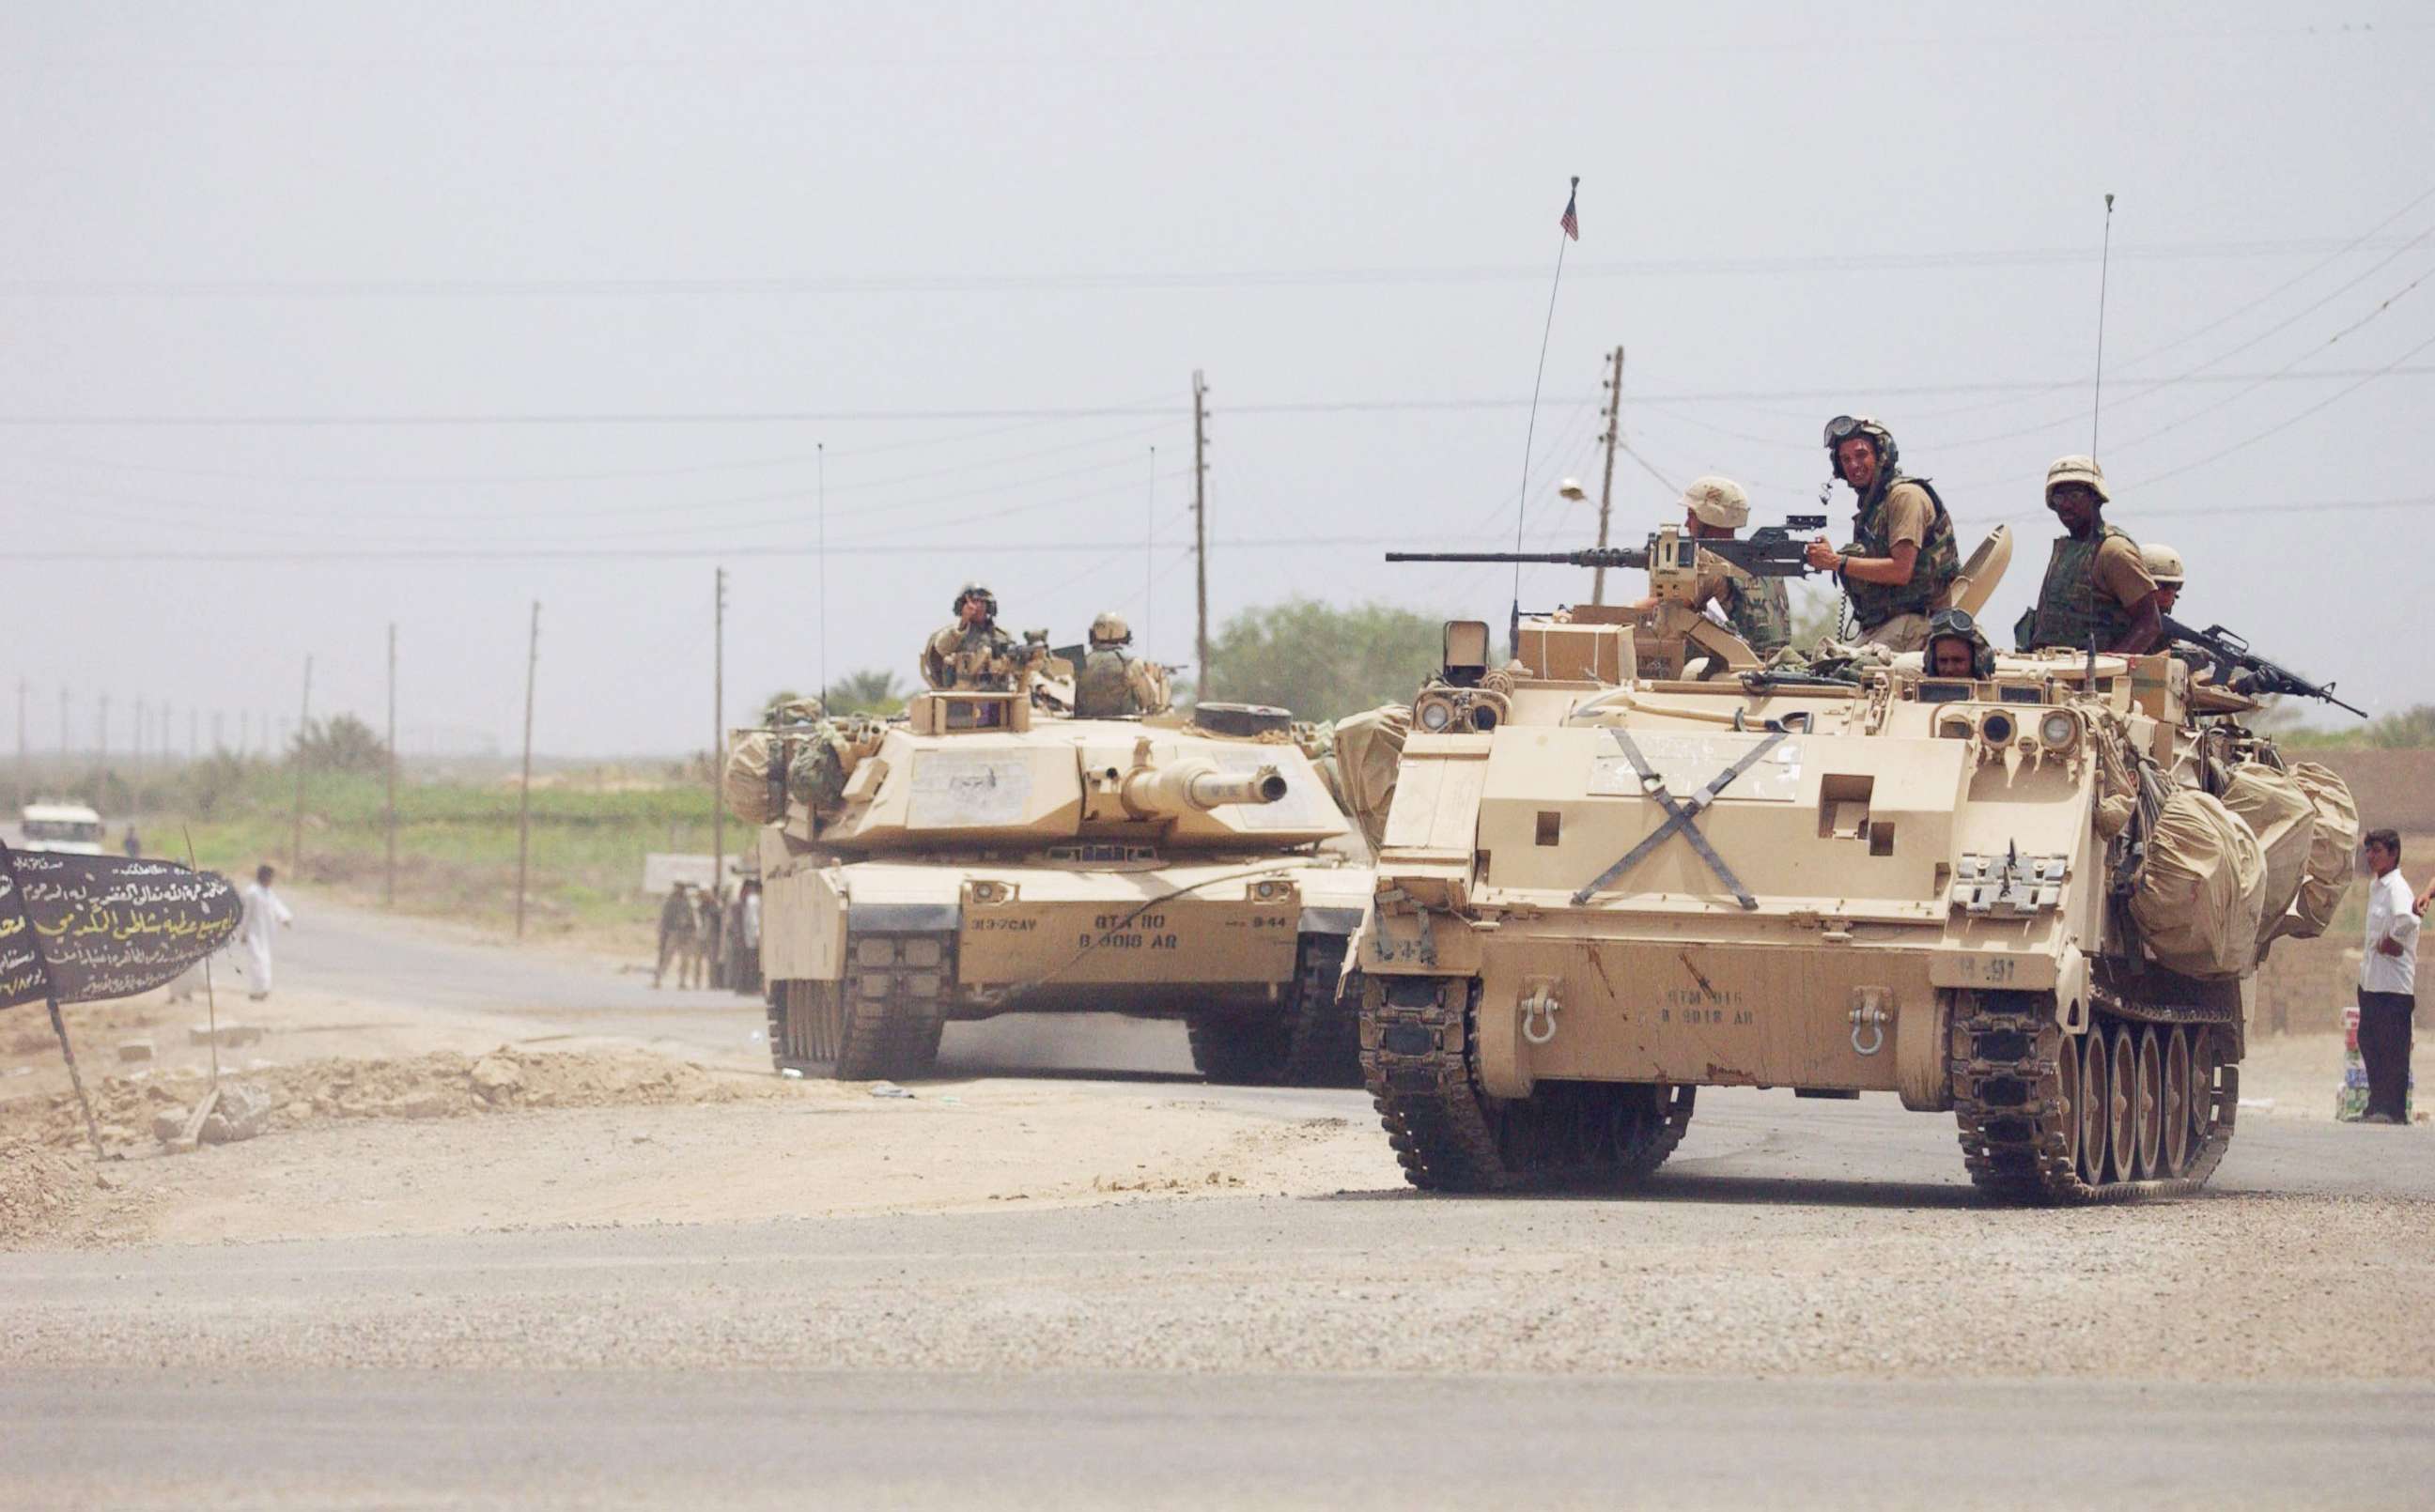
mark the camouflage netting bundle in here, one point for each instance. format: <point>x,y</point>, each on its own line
<point>2327,873</point>
<point>2284,822</point>
<point>2201,892</point>
<point>1368,749</point>
<point>745,784</point>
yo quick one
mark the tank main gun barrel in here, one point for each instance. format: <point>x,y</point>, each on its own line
<point>1151,791</point>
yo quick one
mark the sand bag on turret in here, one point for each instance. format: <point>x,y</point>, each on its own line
<point>2279,814</point>
<point>2331,848</point>
<point>1368,749</point>
<point>2202,894</point>
<point>745,783</point>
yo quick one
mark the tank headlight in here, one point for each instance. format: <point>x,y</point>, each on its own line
<point>2057,731</point>
<point>1268,892</point>
<point>1997,729</point>
<point>1435,716</point>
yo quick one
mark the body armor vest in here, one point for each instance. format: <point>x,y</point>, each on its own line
<point>1103,689</point>
<point>1931,573</point>
<point>1759,611</point>
<point>2071,607</point>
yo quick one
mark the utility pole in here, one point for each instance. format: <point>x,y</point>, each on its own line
<point>389,867</point>
<point>718,728</point>
<point>296,829</point>
<point>20,743</point>
<point>1606,490</point>
<point>1201,532</point>
<point>220,731</point>
<point>523,795</point>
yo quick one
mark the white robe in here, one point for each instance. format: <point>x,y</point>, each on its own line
<point>264,914</point>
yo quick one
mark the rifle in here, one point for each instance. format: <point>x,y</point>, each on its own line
<point>2234,658</point>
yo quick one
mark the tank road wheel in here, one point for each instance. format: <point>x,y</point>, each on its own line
<point>1243,1048</point>
<point>1313,1039</point>
<point>2096,1114</point>
<point>2115,1114</point>
<point>882,1021</point>
<point>2147,1105</point>
<point>2073,1100</point>
<point>1416,1039</point>
<point>2119,1086</point>
<point>2174,1113</point>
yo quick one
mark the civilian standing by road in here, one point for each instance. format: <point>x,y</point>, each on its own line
<point>2388,982</point>
<point>264,917</point>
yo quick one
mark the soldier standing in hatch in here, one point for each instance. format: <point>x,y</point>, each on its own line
<point>1758,608</point>
<point>2096,592</point>
<point>1113,683</point>
<point>973,653</point>
<point>1902,560</point>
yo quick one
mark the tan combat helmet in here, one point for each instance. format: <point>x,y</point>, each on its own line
<point>1110,630</point>
<point>1843,427</point>
<point>979,591</point>
<point>2078,470</point>
<point>1717,500</point>
<point>2163,562</point>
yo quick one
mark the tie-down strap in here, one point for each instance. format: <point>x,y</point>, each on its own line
<point>1679,815</point>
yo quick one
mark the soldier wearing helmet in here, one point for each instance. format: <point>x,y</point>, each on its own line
<point>1956,648</point>
<point>1757,608</point>
<point>973,653</point>
<point>1902,559</point>
<point>2098,591</point>
<point>1113,683</point>
<point>2164,564</point>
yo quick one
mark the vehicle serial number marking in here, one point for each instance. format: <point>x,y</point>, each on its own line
<point>1740,1017</point>
<point>1991,968</point>
<point>1010,926</point>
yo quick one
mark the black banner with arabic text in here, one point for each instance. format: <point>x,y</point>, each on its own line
<point>107,926</point>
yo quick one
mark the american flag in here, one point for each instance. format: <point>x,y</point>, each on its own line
<point>1572,221</point>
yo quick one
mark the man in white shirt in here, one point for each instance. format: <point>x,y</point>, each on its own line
<point>265,915</point>
<point>2388,981</point>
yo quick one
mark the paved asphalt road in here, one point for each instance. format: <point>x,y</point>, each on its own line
<point>1377,1348</point>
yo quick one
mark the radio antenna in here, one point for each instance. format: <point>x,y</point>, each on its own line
<point>2104,266</point>
<point>1571,226</point>
<point>820,556</point>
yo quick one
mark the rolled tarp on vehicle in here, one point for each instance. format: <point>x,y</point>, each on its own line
<point>2332,846</point>
<point>1369,750</point>
<point>745,783</point>
<point>2201,892</point>
<point>2279,813</point>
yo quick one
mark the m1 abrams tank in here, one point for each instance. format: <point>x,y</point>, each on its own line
<point>984,854</point>
<point>1631,863</point>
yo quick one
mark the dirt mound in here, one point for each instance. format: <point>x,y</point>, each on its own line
<point>40,1190</point>
<point>444,1084</point>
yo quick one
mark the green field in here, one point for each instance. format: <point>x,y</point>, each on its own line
<point>456,839</point>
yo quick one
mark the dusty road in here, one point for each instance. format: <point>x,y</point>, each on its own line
<point>1021,1290</point>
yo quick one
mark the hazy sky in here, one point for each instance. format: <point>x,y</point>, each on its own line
<point>323,316</point>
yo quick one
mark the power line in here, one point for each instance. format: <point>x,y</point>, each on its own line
<point>1842,393</point>
<point>831,285</point>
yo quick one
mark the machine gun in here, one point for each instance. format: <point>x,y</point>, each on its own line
<point>1672,558</point>
<point>2244,671</point>
<point>1672,561</point>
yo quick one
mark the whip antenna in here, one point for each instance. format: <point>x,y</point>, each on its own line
<point>2104,266</point>
<point>1571,226</point>
<point>820,512</point>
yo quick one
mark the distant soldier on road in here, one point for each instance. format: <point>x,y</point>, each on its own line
<point>973,653</point>
<point>2098,592</point>
<point>1902,559</point>
<point>1112,683</point>
<point>1757,609</point>
<point>675,931</point>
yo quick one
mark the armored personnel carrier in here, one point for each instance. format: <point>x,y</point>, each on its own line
<point>1631,862</point>
<point>989,853</point>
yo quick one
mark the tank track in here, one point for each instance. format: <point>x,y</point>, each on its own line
<point>2024,1130</point>
<point>1315,1042</point>
<point>1416,1061</point>
<point>882,1019</point>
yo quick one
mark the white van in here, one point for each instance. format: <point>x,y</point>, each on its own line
<point>69,828</point>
